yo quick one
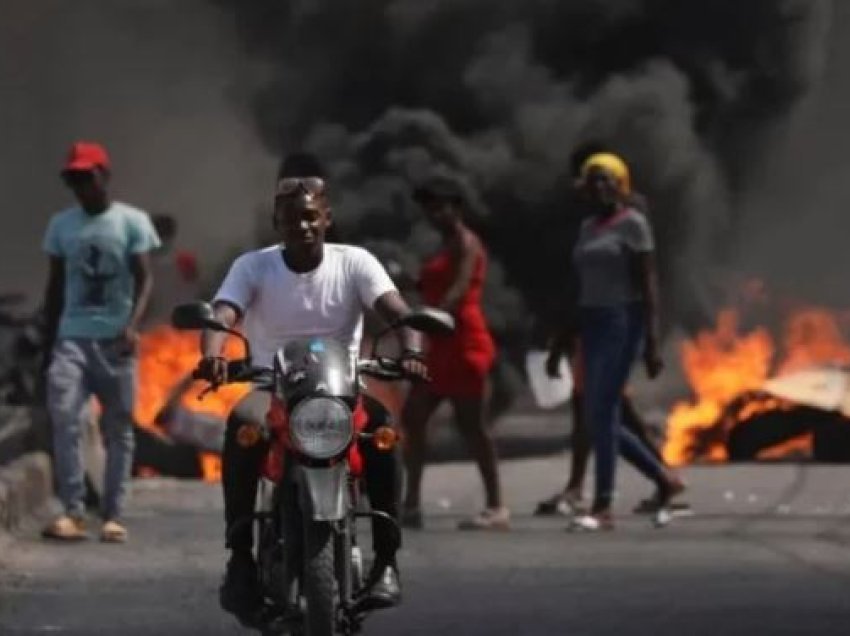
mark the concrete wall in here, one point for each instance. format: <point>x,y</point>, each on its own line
<point>26,478</point>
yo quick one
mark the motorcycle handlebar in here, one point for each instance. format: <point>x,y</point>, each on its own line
<point>381,368</point>
<point>237,371</point>
<point>388,369</point>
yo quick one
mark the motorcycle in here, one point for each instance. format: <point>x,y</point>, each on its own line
<point>310,564</point>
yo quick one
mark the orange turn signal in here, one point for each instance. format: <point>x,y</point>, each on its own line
<point>385,438</point>
<point>248,435</point>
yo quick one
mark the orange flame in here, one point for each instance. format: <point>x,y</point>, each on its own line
<point>813,336</point>
<point>167,357</point>
<point>721,364</point>
<point>795,446</point>
<point>211,466</point>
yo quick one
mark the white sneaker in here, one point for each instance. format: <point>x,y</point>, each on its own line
<point>591,523</point>
<point>662,517</point>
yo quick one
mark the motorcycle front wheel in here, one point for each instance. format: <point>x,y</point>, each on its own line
<point>319,578</point>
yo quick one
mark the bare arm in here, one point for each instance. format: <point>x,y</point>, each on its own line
<point>465,253</point>
<point>140,266</point>
<point>565,329</point>
<point>649,286</point>
<point>392,307</point>
<point>54,298</point>
<point>561,342</point>
<point>564,334</point>
<point>648,279</point>
<point>212,342</point>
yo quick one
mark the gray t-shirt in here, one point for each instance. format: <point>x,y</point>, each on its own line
<point>604,257</point>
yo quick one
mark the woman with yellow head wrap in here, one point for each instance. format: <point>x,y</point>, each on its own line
<point>613,165</point>
<point>613,259</point>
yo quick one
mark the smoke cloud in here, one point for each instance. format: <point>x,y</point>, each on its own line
<point>196,100</point>
<point>499,93</point>
<point>148,78</point>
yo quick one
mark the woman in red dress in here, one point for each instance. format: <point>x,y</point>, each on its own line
<point>459,364</point>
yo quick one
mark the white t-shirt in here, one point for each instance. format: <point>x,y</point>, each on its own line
<point>280,305</point>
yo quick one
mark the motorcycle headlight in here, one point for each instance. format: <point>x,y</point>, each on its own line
<point>321,427</point>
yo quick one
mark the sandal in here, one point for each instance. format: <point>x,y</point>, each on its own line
<point>663,514</point>
<point>563,504</point>
<point>66,528</point>
<point>113,532</point>
<point>652,504</point>
<point>488,519</point>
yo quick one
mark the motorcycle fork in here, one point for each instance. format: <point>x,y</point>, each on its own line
<point>290,528</point>
<point>345,540</point>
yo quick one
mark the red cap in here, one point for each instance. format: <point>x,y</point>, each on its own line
<point>86,156</point>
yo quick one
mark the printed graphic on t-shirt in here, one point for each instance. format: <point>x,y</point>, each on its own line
<point>98,270</point>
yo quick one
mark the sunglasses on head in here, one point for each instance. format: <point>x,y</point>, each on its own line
<point>292,185</point>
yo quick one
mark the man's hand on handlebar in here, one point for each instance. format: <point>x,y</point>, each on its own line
<point>212,369</point>
<point>413,364</point>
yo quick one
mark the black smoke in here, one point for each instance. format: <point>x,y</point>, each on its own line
<point>499,93</point>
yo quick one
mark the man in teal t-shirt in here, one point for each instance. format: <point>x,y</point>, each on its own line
<point>99,285</point>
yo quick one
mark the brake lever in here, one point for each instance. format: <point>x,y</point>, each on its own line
<point>210,388</point>
<point>390,364</point>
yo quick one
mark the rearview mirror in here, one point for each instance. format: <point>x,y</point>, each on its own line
<point>198,315</point>
<point>429,320</point>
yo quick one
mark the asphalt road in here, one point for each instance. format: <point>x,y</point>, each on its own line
<point>767,553</point>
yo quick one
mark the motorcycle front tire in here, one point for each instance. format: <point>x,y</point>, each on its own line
<point>319,578</point>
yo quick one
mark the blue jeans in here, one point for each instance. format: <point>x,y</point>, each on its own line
<point>611,339</point>
<point>79,369</point>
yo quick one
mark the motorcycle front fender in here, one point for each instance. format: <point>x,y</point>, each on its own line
<point>324,492</point>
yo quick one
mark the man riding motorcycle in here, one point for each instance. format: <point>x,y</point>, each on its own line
<point>303,287</point>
